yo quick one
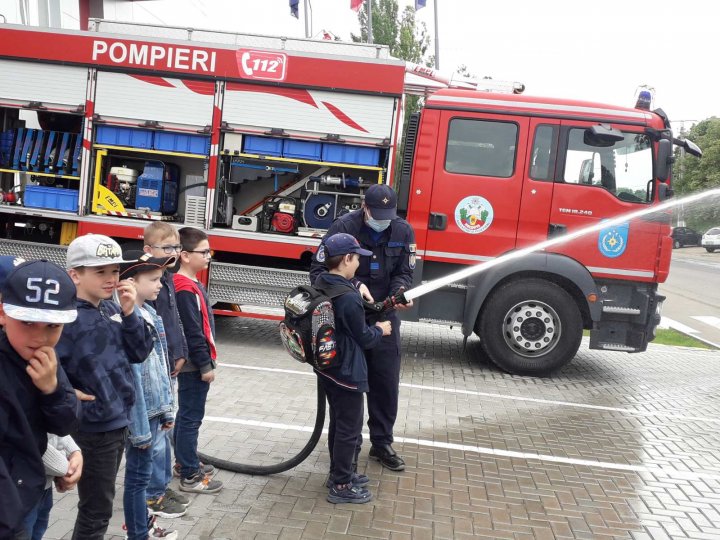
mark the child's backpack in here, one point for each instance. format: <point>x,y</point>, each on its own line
<point>308,330</point>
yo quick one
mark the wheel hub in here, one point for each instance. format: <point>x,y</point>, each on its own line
<point>531,328</point>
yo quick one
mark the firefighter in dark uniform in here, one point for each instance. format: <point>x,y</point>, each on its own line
<point>391,239</point>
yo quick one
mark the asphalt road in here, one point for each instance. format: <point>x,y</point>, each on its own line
<point>693,294</point>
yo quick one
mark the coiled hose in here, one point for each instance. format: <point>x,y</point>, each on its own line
<point>264,470</point>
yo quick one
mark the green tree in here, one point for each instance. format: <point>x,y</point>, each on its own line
<point>691,175</point>
<point>406,40</point>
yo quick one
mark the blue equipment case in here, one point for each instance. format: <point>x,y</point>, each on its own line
<point>157,187</point>
<point>51,197</point>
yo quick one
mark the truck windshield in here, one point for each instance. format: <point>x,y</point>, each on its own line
<point>624,169</point>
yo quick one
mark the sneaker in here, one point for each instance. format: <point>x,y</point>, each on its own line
<point>206,468</point>
<point>359,480</point>
<point>387,457</point>
<point>159,532</point>
<point>166,508</point>
<point>348,493</point>
<point>200,484</point>
<point>156,532</point>
<point>174,496</point>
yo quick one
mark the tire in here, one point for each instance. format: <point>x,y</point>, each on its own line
<point>710,250</point>
<point>530,327</point>
<point>676,244</point>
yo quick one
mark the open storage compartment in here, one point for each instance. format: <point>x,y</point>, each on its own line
<point>149,183</point>
<point>282,185</point>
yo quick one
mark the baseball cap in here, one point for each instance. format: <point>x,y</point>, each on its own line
<point>139,261</point>
<point>381,199</point>
<point>39,291</point>
<point>343,243</point>
<point>93,250</point>
<point>7,265</point>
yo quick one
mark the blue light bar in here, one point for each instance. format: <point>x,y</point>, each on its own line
<point>644,100</point>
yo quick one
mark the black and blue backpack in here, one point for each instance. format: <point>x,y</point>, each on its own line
<point>308,329</point>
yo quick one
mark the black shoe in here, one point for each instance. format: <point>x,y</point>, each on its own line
<point>387,457</point>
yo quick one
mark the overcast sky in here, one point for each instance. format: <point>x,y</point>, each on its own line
<point>597,51</point>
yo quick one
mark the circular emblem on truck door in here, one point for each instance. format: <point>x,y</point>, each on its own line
<point>474,214</point>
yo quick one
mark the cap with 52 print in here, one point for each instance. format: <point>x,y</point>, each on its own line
<point>39,291</point>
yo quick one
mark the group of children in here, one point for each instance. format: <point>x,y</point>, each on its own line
<point>88,359</point>
<point>92,353</point>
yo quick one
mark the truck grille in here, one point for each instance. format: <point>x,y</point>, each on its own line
<point>31,251</point>
<point>252,285</point>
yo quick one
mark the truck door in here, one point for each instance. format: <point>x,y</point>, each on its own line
<point>598,180</point>
<point>537,191</point>
<point>477,183</point>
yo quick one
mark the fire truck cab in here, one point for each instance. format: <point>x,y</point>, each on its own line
<point>493,173</point>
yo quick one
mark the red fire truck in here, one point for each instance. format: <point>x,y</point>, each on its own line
<point>264,141</point>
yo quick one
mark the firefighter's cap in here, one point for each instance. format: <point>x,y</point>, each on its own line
<point>381,199</point>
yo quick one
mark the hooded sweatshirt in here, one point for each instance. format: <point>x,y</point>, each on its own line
<point>96,351</point>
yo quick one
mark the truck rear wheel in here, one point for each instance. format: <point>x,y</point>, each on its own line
<point>530,327</point>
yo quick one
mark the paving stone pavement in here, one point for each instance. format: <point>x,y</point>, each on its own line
<point>614,446</point>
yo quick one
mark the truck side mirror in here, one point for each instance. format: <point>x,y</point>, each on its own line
<point>692,148</point>
<point>664,160</point>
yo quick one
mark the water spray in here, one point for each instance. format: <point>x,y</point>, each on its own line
<point>406,296</point>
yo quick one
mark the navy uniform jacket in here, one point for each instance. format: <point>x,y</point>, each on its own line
<point>26,417</point>
<point>96,351</point>
<point>166,307</point>
<point>392,263</point>
<point>352,335</point>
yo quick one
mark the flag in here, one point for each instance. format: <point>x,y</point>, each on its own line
<point>355,5</point>
<point>294,11</point>
<point>419,4</point>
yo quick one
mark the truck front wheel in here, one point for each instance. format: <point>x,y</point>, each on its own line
<point>530,327</point>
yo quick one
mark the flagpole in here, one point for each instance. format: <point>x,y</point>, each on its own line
<point>307,25</point>
<point>437,36</point>
<point>369,11</point>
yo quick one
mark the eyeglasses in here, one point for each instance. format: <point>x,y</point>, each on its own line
<point>169,250</point>
<point>207,253</point>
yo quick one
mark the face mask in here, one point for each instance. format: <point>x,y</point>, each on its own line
<point>378,225</point>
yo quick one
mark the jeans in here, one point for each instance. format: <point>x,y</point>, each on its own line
<point>192,394</point>
<point>345,430</point>
<point>161,465</point>
<point>102,453</point>
<point>138,470</point>
<point>36,522</point>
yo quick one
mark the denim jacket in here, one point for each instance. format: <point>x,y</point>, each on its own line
<point>153,384</point>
